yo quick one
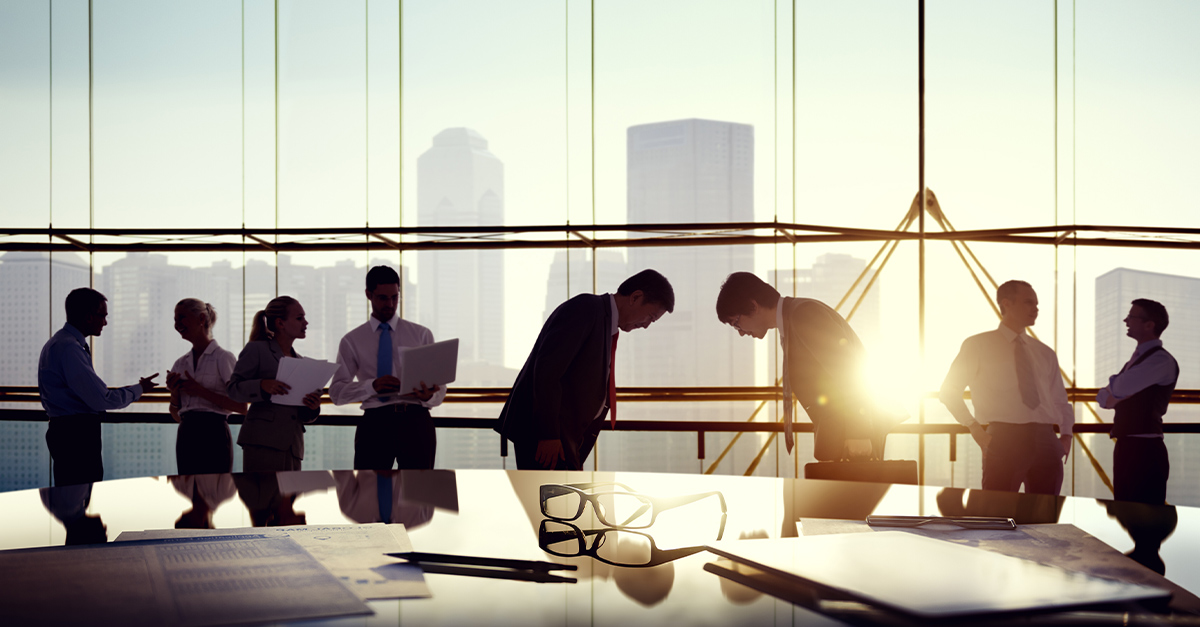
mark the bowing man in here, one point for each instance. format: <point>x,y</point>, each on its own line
<point>567,386</point>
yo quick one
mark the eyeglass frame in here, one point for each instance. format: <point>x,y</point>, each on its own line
<point>663,555</point>
<point>657,504</point>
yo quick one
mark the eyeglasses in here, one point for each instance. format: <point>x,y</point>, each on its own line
<point>736,321</point>
<point>617,547</point>
<point>616,506</point>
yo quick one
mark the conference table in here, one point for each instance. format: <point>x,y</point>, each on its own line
<point>654,573</point>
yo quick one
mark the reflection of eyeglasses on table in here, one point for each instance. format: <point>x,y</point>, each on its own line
<point>620,507</point>
<point>617,547</point>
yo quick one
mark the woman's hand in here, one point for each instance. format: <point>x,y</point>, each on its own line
<point>274,387</point>
<point>312,400</point>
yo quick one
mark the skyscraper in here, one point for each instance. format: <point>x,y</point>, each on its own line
<point>461,183</point>
<point>686,171</point>
<point>568,280</point>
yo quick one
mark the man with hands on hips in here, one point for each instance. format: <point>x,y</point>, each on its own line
<point>1018,394</point>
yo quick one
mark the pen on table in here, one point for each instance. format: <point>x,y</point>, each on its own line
<point>469,560</point>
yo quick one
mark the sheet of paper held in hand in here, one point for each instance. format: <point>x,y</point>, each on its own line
<point>303,376</point>
<point>216,580</point>
<point>354,553</point>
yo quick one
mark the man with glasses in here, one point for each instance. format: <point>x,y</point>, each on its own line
<point>822,357</point>
<point>567,386</point>
<point>1140,393</point>
<point>1018,395</point>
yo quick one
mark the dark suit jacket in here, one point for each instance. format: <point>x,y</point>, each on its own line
<point>825,358</point>
<point>564,382</point>
<point>280,427</point>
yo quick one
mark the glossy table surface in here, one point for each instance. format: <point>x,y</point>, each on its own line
<point>497,513</point>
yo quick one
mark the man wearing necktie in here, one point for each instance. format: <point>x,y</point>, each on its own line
<point>822,359</point>
<point>1018,395</point>
<point>74,397</point>
<point>1140,394</point>
<point>568,384</point>
<point>396,427</point>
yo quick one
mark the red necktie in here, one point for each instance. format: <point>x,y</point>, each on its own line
<point>612,384</point>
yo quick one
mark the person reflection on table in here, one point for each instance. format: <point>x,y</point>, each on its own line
<point>369,496</point>
<point>69,505</point>
<point>272,437</point>
<point>199,403</point>
<point>206,492</point>
<point>268,506</point>
<point>1149,526</point>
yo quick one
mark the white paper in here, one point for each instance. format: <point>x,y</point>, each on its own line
<point>435,364</point>
<point>303,376</point>
<point>355,554</point>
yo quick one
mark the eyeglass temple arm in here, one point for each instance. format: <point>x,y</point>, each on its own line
<point>670,502</point>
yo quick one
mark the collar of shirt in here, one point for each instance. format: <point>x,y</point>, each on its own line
<point>210,349</point>
<point>612,301</point>
<point>779,316</point>
<point>78,335</point>
<point>1008,334</point>
<point>1142,347</point>
<point>395,320</point>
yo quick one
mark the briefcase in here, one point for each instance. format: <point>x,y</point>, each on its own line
<point>877,471</point>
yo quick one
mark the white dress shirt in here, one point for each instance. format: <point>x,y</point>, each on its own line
<point>987,365</point>
<point>212,371</point>
<point>1158,369</point>
<point>357,356</point>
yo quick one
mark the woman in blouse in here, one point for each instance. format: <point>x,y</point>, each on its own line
<point>198,398</point>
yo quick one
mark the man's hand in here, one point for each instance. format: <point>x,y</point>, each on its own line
<point>548,453</point>
<point>274,387</point>
<point>982,438</point>
<point>386,384</point>
<point>859,449</point>
<point>312,400</point>
<point>147,383</point>
<point>423,394</point>
<point>1065,439</point>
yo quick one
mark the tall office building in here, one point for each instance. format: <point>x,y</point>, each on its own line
<point>1115,290</point>
<point>461,183</point>
<point>567,280</point>
<point>685,171</point>
<point>30,318</point>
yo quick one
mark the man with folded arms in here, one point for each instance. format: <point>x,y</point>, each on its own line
<point>1018,394</point>
<point>396,427</point>
<point>74,397</point>
<point>1140,394</point>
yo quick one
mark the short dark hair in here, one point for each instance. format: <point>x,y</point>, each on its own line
<point>83,302</point>
<point>738,290</point>
<point>381,275</point>
<point>654,286</point>
<point>1155,312</point>
<point>1008,291</point>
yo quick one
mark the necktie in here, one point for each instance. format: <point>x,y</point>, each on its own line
<point>1029,394</point>
<point>612,384</point>
<point>788,439</point>
<point>383,488</point>
<point>87,349</point>
<point>383,363</point>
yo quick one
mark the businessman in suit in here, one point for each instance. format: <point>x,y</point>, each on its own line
<point>567,386</point>
<point>822,358</point>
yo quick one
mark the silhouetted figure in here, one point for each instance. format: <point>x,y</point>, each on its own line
<point>272,437</point>
<point>1018,394</point>
<point>396,427</point>
<point>822,361</point>
<point>69,505</point>
<point>74,397</point>
<point>206,492</point>
<point>1140,393</point>
<point>268,506</point>
<point>567,386</point>
<point>1149,526</point>
<point>198,383</point>
<point>369,496</point>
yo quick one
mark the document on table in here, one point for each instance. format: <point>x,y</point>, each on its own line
<point>303,376</point>
<point>353,553</point>
<point>216,580</point>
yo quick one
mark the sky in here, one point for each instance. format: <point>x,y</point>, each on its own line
<point>1033,117</point>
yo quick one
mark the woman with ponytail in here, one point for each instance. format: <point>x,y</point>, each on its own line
<point>272,438</point>
<point>198,398</point>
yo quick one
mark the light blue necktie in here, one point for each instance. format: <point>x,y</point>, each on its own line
<point>383,363</point>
